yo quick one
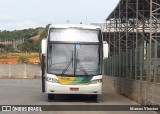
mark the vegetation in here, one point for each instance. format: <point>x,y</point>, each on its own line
<point>45,32</point>
<point>27,48</point>
<point>29,44</point>
<point>25,55</point>
<point>7,48</point>
<point>22,60</point>
<point>26,33</point>
<point>34,46</point>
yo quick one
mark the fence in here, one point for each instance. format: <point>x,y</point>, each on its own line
<point>13,42</point>
<point>135,73</point>
<point>19,71</point>
<point>138,64</point>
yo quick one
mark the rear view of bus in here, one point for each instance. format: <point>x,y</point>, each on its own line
<point>72,60</point>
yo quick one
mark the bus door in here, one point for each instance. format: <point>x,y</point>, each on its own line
<point>43,72</point>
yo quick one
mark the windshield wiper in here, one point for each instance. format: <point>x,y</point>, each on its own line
<point>66,68</point>
<point>69,63</point>
<point>81,66</point>
<point>76,61</point>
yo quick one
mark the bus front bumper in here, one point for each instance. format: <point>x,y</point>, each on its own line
<point>56,88</point>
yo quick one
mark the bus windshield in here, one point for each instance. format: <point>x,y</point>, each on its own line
<point>74,59</point>
<point>74,52</point>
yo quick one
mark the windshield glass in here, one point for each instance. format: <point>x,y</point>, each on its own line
<point>74,35</point>
<point>74,59</point>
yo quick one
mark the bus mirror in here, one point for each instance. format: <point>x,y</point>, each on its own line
<point>44,46</point>
<point>105,49</point>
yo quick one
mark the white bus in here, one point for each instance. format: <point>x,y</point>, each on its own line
<point>72,60</point>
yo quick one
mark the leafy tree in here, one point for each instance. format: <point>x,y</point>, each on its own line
<point>2,46</point>
<point>9,48</point>
<point>26,33</point>
<point>30,46</point>
<point>45,32</point>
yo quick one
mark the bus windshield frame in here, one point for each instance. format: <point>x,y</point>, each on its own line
<point>76,60</point>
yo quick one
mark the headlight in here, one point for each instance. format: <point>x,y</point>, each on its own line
<point>53,80</point>
<point>96,81</point>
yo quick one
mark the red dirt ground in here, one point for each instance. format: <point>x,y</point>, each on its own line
<point>14,60</point>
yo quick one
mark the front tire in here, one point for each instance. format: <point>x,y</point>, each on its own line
<point>94,98</point>
<point>50,97</point>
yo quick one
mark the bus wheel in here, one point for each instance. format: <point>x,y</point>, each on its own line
<point>50,97</point>
<point>95,98</point>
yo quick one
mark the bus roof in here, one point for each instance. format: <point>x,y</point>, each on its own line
<point>82,26</point>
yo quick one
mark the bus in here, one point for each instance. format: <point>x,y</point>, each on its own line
<point>72,60</point>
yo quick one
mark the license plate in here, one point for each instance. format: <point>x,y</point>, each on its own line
<point>74,89</point>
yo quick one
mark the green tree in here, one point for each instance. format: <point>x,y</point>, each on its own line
<point>30,46</point>
<point>9,48</point>
<point>45,32</point>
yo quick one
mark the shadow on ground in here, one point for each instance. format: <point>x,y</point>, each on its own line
<point>74,98</point>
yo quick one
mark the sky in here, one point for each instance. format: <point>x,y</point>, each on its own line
<point>23,14</point>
